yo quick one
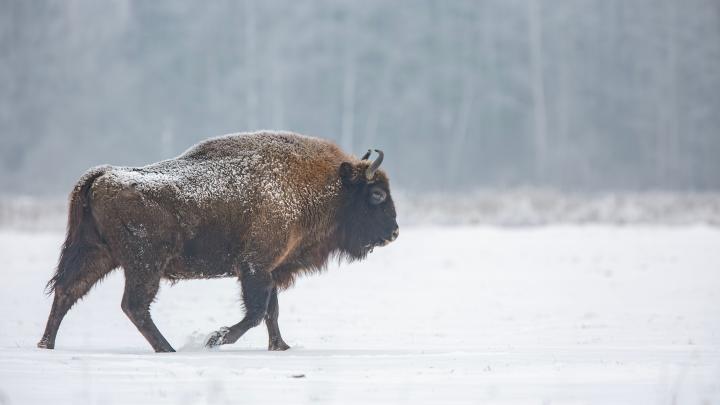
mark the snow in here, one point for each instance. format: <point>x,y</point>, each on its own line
<point>451,315</point>
<point>541,206</point>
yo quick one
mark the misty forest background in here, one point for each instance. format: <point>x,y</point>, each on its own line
<point>569,95</point>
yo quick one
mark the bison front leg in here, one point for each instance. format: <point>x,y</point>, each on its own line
<point>256,289</point>
<point>271,321</point>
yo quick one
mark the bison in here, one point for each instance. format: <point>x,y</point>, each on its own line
<point>264,207</point>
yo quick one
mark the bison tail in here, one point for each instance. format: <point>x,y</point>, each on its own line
<point>81,230</point>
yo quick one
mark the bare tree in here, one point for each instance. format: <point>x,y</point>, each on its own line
<point>348,86</point>
<point>250,61</point>
<point>538,87</point>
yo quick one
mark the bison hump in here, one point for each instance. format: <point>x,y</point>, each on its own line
<point>264,143</point>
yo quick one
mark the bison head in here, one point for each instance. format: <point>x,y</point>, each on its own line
<point>367,217</point>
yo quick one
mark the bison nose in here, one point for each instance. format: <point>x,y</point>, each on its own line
<point>395,234</point>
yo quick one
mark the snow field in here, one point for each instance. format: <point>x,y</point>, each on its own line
<point>560,314</point>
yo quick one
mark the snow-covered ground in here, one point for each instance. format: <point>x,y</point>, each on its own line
<point>559,314</point>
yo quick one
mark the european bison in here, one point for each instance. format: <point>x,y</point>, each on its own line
<point>264,207</point>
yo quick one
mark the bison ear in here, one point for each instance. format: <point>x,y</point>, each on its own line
<point>349,173</point>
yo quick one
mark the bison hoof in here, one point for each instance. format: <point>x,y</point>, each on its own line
<point>44,344</point>
<point>277,345</point>
<point>216,338</point>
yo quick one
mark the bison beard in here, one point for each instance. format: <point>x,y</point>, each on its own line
<point>263,207</point>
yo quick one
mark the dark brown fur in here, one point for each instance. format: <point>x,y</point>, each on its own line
<point>262,207</point>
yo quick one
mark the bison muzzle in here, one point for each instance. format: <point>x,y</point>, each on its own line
<point>264,207</point>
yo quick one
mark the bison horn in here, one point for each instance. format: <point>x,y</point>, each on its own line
<point>366,155</point>
<point>370,172</point>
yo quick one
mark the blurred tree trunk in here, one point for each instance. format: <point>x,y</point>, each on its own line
<point>251,95</point>
<point>538,88</point>
<point>348,88</point>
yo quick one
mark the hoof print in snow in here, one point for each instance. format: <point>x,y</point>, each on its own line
<point>216,338</point>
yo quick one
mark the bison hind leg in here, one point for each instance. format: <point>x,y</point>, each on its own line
<point>140,290</point>
<point>77,273</point>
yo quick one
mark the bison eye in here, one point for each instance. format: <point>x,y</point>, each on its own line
<point>377,196</point>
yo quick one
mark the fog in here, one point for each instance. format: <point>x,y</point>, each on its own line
<point>461,95</point>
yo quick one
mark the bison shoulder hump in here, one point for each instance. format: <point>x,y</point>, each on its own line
<point>264,143</point>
